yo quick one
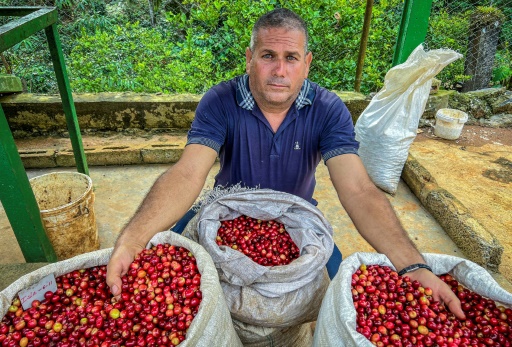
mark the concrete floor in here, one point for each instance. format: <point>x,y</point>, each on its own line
<point>120,189</point>
<point>477,170</point>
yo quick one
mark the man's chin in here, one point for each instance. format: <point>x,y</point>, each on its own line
<point>278,98</point>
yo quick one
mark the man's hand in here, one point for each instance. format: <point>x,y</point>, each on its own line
<point>440,291</point>
<point>123,255</point>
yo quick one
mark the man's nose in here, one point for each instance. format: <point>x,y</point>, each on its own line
<point>279,67</point>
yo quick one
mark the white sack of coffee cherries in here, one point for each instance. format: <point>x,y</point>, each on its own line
<point>336,324</point>
<point>268,296</point>
<point>211,324</point>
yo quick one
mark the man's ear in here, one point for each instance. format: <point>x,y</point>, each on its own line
<point>248,58</point>
<point>309,58</point>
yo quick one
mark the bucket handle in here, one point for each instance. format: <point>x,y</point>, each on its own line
<point>81,211</point>
<point>84,210</point>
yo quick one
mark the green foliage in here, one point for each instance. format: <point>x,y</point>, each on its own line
<point>502,74</point>
<point>446,30</point>
<point>34,68</point>
<point>222,27</point>
<point>487,15</point>
<point>30,59</point>
<point>219,28</point>
<point>386,17</point>
<point>132,58</point>
<point>449,27</point>
<point>190,45</point>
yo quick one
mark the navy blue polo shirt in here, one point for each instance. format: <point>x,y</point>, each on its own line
<point>317,126</point>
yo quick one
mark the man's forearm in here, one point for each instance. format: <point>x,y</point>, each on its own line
<point>371,212</point>
<point>164,204</point>
<point>378,224</point>
<point>171,196</point>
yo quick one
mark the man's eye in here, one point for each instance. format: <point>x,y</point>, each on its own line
<point>291,57</point>
<point>267,56</point>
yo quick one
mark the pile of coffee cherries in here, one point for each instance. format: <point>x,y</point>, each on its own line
<point>160,298</point>
<point>392,310</point>
<point>265,242</point>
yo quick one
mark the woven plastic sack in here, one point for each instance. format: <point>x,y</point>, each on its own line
<point>336,324</point>
<point>278,296</point>
<point>388,125</point>
<point>212,324</point>
<point>254,336</point>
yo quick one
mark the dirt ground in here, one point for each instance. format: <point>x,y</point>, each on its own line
<point>473,135</point>
<point>477,169</point>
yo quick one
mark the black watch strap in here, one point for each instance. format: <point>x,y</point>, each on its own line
<point>414,267</point>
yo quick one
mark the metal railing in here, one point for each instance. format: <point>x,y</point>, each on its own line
<point>15,191</point>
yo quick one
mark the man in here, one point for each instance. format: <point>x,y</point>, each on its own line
<point>270,128</point>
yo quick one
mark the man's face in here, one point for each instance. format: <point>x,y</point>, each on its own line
<point>277,67</point>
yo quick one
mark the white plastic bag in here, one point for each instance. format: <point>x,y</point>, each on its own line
<point>388,125</point>
<point>336,324</point>
<point>211,325</point>
<point>274,297</point>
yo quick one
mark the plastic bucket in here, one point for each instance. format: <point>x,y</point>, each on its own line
<point>449,123</point>
<point>65,201</point>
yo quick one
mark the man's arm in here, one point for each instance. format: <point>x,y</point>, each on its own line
<point>170,197</point>
<point>376,221</point>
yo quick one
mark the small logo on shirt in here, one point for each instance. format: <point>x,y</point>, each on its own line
<point>297,145</point>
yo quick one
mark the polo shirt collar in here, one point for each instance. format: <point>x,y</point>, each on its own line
<point>245,99</point>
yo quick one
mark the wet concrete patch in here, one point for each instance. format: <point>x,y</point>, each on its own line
<point>501,175</point>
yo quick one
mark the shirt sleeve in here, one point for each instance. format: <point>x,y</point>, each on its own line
<point>209,125</point>
<point>338,135</point>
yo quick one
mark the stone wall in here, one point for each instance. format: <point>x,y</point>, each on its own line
<point>491,107</point>
<point>40,115</point>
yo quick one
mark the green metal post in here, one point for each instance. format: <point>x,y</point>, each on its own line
<point>15,191</point>
<point>33,20</point>
<point>19,201</point>
<point>67,98</point>
<point>413,28</point>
